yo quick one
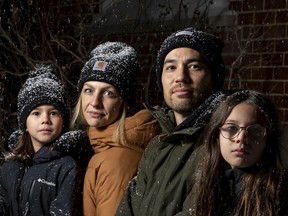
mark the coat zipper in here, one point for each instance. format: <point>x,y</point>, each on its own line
<point>27,205</point>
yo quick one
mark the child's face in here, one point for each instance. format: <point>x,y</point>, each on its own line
<point>243,149</point>
<point>101,103</point>
<point>44,124</point>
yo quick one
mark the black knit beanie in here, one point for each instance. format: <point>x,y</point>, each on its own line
<point>208,45</point>
<point>42,87</point>
<point>114,63</point>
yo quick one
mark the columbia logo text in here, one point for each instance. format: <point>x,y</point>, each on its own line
<point>46,182</point>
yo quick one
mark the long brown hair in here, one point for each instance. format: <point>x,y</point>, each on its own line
<point>23,151</point>
<point>260,190</point>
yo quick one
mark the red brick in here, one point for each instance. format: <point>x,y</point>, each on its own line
<point>272,59</point>
<point>280,74</point>
<point>263,46</point>
<point>278,31</point>
<point>282,16</point>
<point>254,85</point>
<point>249,5</point>
<point>245,19</point>
<point>278,4</point>
<point>251,60</point>
<point>228,60</point>
<point>265,17</point>
<point>273,87</point>
<point>281,101</point>
<point>281,45</point>
<point>262,73</point>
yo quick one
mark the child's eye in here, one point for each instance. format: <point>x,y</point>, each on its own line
<point>54,113</point>
<point>35,113</point>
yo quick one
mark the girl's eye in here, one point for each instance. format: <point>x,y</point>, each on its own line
<point>35,113</point>
<point>54,113</point>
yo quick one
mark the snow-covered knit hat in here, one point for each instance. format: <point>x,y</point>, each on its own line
<point>208,45</point>
<point>42,87</point>
<point>114,63</point>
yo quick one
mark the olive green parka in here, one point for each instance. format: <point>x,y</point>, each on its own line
<point>164,178</point>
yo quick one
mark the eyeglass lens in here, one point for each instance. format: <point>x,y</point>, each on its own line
<point>254,131</point>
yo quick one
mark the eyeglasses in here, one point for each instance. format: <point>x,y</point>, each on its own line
<point>253,132</point>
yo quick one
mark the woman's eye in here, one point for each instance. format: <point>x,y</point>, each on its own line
<point>87,90</point>
<point>109,94</point>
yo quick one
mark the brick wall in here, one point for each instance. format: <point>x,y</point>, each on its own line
<point>257,58</point>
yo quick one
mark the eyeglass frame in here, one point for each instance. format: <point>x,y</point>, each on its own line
<point>240,129</point>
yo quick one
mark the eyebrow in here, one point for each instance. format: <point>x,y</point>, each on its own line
<point>173,60</point>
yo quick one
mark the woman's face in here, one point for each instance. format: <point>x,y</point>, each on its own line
<point>242,137</point>
<point>102,105</point>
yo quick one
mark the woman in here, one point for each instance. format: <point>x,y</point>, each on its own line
<point>107,87</point>
<point>239,175</point>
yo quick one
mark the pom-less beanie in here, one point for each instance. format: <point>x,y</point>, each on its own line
<point>42,87</point>
<point>208,45</point>
<point>114,63</point>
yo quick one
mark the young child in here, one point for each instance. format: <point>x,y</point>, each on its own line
<point>239,175</point>
<point>38,179</point>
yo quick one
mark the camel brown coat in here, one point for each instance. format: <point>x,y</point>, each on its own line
<point>114,164</point>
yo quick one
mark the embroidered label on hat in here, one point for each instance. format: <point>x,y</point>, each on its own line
<point>184,33</point>
<point>100,65</point>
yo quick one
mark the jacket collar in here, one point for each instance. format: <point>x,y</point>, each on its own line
<point>198,117</point>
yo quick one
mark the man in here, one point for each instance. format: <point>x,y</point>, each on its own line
<point>190,72</point>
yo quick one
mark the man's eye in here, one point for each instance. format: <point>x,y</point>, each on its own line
<point>194,67</point>
<point>170,68</point>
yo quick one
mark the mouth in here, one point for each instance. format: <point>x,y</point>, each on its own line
<point>240,152</point>
<point>45,130</point>
<point>181,91</point>
<point>96,114</point>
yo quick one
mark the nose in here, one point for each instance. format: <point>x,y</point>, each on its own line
<point>46,118</point>
<point>95,100</point>
<point>242,136</point>
<point>182,75</point>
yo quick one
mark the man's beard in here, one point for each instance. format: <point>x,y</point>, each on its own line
<point>185,106</point>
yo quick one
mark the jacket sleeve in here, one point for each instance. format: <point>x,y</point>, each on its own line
<point>3,196</point>
<point>68,180</point>
<point>107,178</point>
<point>133,197</point>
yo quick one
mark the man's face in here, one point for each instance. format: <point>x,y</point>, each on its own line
<point>186,80</point>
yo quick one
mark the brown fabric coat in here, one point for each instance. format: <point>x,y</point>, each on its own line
<point>113,164</point>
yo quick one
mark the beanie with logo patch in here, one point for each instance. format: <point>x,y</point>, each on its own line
<point>42,87</point>
<point>115,63</point>
<point>209,46</point>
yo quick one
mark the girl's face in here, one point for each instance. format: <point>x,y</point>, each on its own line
<point>242,138</point>
<point>102,105</point>
<point>44,124</point>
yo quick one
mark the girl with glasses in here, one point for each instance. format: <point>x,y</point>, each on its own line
<point>239,174</point>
